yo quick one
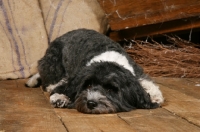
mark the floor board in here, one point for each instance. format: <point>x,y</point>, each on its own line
<point>27,109</point>
<point>182,98</point>
<point>184,85</point>
<point>158,120</point>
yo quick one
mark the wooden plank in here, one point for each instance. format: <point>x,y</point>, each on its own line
<point>26,109</point>
<point>141,120</point>
<point>79,122</point>
<point>8,84</point>
<point>90,122</point>
<point>123,14</point>
<point>181,109</point>
<point>157,120</point>
<point>182,104</point>
<point>156,29</point>
<point>196,81</point>
<point>184,85</point>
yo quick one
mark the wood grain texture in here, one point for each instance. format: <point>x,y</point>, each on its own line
<point>123,14</point>
<point>184,104</point>
<point>77,122</point>
<point>187,86</point>
<point>28,109</point>
<point>158,120</point>
<point>156,29</point>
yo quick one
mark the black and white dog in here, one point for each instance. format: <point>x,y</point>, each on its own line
<point>86,70</point>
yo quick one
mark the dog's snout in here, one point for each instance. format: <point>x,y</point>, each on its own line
<point>91,104</point>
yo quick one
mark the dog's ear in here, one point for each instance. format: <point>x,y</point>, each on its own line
<point>80,81</point>
<point>136,96</point>
<point>112,79</point>
<point>77,82</point>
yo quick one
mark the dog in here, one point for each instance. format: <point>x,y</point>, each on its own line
<point>86,70</point>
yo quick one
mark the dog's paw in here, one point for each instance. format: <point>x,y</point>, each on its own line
<point>157,98</point>
<point>153,90</point>
<point>33,81</point>
<point>156,95</point>
<point>59,100</point>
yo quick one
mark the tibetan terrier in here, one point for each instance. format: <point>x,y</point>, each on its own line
<point>86,70</point>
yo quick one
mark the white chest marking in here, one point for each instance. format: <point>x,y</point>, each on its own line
<point>112,56</point>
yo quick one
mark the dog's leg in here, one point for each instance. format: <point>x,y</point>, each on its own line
<point>51,87</point>
<point>34,81</point>
<point>152,89</point>
<point>57,91</point>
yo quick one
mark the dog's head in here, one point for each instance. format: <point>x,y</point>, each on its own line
<point>107,88</point>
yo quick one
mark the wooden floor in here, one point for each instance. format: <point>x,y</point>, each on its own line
<point>28,110</point>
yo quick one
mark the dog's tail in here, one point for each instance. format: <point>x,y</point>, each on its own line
<point>34,81</point>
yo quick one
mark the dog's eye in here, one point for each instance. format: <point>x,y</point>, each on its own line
<point>89,86</point>
<point>109,90</point>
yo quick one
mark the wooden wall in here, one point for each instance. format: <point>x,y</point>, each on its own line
<point>163,16</point>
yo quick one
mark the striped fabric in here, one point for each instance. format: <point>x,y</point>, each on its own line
<point>27,26</point>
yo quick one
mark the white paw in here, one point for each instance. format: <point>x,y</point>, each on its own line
<point>157,98</point>
<point>59,100</point>
<point>33,81</point>
<point>153,90</point>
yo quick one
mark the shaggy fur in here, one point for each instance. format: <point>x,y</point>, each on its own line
<point>87,71</point>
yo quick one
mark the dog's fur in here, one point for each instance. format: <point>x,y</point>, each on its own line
<point>86,70</point>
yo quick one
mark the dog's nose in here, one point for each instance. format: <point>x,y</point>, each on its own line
<point>91,104</point>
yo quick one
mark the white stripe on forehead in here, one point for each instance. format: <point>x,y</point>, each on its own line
<point>112,56</point>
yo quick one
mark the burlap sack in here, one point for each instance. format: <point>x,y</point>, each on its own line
<point>26,27</point>
<point>61,16</point>
<point>23,38</point>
